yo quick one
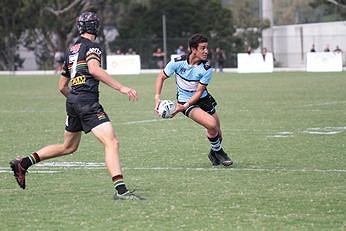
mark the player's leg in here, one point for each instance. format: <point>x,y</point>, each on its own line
<point>212,124</point>
<point>206,120</point>
<point>106,135</point>
<point>217,119</point>
<point>70,145</point>
<point>20,165</point>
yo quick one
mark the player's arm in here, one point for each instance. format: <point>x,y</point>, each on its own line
<point>63,85</point>
<point>200,89</point>
<point>100,74</point>
<point>161,77</point>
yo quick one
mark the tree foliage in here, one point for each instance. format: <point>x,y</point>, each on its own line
<point>183,18</point>
<point>331,10</point>
<point>12,23</point>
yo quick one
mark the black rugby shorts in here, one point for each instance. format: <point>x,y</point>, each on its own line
<point>84,116</point>
<point>207,104</point>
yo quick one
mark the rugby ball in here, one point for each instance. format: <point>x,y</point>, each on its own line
<point>166,108</point>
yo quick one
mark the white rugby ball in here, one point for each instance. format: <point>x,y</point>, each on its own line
<point>166,108</point>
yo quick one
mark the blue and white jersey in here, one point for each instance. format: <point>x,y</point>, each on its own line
<point>188,76</point>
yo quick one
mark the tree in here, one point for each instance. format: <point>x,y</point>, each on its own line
<point>12,23</point>
<point>184,18</point>
<point>248,21</point>
<point>331,10</point>
<point>54,27</point>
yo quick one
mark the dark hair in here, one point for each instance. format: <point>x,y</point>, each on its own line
<point>197,39</point>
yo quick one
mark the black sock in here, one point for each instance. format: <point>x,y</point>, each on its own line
<point>118,184</point>
<point>215,143</point>
<point>30,160</point>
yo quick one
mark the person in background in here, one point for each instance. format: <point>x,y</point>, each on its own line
<point>180,50</point>
<point>249,50</point>
<point>119,52</point>
<point>58,61</point>
<point>264,53</point>
<point>159,57</point>
<point>337,49</point>
<point>313,48</point>
<point>220,58</point>
<point>326,49</point>
<point>130,51</point>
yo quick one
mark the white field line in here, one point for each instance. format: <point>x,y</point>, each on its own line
<point>324,104</point>
<point>55,167</point>
<point>151,121</point>
<point>311,131</point>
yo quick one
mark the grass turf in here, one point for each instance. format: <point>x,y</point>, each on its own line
<point>285,131</point>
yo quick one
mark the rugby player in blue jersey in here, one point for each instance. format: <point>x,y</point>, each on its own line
<point>193,74</point>
<point>79,83</point>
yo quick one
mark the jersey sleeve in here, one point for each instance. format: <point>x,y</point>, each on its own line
<point>206,77</point>
<point>93,52</point>
<point>65,71</point>
<point>170,68</point>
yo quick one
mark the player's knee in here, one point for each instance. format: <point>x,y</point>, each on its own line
<point>111,142</point>
<point>114,142</point>
<point>213,127</point>
<point>212,132</point>
<point>70,149</point>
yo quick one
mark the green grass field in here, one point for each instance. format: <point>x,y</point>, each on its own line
<point>285,131</point>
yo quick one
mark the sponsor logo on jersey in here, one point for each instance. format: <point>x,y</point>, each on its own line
<point>94,50</point>
<point>78,80</point>
<point>75,48</point>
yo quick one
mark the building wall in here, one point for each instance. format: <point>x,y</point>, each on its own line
<point>291,43</point>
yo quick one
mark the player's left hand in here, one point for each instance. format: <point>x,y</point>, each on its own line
<point>178,108</point>
<point>131,93</point>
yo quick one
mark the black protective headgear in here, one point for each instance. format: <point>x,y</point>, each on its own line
<point>88,22</point>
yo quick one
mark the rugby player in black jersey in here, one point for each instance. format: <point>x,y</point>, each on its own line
<point>79,83</point>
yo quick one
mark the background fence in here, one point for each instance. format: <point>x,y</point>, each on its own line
<point>289,45</point>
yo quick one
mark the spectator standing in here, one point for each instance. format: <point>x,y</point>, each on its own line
<point>180,50</point>
<point>159,57</point>
<point>118,52</point>
<point>264,53</point>
<point>313,48</point>
<point>220,58</point>
<point>337,49</point>
<point>130,51</point>
<point>326,49</point>
<point>249,50</point>
<point>58,61</point>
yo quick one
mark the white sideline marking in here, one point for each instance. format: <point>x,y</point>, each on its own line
<point>70,164</point>
<point>5,170</point>
<point>151,120</point>
<point>143,121</point>
<point>323,104</point>
<point>311,131</point>
<point>47,168</point>
<point>282,135</point>
<point>325,130</point>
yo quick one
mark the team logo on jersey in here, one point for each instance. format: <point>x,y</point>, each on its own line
<point>101,116</point>
<point>182,70</point>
